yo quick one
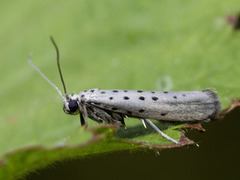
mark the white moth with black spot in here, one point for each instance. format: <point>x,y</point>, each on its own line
<point>112,106</point>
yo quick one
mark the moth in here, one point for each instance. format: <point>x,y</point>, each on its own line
<point>112,106</point>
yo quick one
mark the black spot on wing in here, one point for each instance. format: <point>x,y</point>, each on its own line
<point>126,98</point>
<point>142,98</point>
<point>163,114</point>
<point>155,98</point>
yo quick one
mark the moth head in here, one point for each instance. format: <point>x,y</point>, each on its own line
<point>71,105</point>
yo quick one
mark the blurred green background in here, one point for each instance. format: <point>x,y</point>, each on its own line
<point>147,45</point>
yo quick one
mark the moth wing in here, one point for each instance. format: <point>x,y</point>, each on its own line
<point>173,106</point>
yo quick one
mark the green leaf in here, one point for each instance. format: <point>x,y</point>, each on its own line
<point>143,45</point>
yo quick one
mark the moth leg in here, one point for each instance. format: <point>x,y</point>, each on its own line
<point>207,120</point>
<point>82,121</point>
<point>144,123</point>
<point>85,116</point>
<point>159,131</point>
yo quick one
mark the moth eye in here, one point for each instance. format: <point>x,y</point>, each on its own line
<point>73,105</point>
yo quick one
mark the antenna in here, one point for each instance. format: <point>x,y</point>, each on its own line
<point>59,69</point>
<point>40,72</point>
